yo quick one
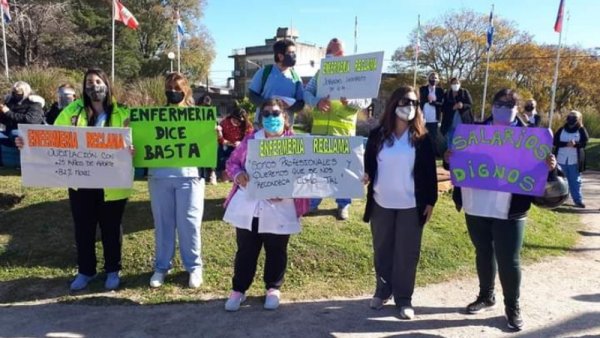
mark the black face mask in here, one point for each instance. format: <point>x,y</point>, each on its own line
<point>289,60</point>
<point>571,120</point>
<point>96,92</point>
<point>17,97</point>
<point>174,97</point>
<point>432,82</point>
<point>528,108</point>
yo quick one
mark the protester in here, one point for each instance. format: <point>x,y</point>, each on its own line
<point>208,173</point>
<point>96,207</point>
<point>570,141</point>
<point>530,113</point>
<point>279,81</point>
<point>20,106</point>
<point>334,118</point>
<point>233,130</point>
<point>65,95</point>
<point>259,223</point>
<point>432,99</point>
<point>177,201</point>
<point>456,109</point>
<point>496,224</point>
<point>401,172</point>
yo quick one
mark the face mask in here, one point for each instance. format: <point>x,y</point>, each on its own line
<point>406,113</point>
<point>432,82</point>
<point>504,115</point>
<point>64,101</point>
<point>289,60</point>
<point>272,124</point>
<point>17,97</point>
<point>96,92</point>
<point>174,97</point>
<point>528,108</point>
<point>455,87</point>
<point>571,120</point>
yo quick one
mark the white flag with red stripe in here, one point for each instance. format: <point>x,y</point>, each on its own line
<point>124,15</point>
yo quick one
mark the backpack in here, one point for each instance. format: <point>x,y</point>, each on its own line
<point>267,71</point>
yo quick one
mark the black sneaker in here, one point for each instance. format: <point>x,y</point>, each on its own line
<point>513,315</point>
<point>481,304</point>
<point>580,205</point>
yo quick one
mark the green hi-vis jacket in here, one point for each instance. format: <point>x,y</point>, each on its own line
<point>75,115</point>
<point>339,121</point>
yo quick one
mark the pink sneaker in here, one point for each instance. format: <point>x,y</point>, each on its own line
<point>234,301</point>
<point>272,299</point>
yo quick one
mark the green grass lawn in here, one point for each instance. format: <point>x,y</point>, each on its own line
<point>328,258</point>
<point>592,152</point>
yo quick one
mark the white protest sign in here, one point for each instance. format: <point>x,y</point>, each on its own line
<point>353,77</point>
<point>76,157</point>
<point>309,167</point>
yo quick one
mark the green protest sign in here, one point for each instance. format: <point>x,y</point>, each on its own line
<point>174,136</point>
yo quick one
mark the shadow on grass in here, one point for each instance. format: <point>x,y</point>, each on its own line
<point>558,248</point>
<point>578,211</point>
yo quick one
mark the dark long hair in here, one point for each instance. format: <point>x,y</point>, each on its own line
<point>241,115</point>
<point>108,101</point>
<point>416,126</point>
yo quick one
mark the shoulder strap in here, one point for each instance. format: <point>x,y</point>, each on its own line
<point>265,75</point>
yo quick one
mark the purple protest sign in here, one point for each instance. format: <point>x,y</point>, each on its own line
<point>510,159</point>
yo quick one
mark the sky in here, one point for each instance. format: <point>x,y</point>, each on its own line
<point>382,24</point>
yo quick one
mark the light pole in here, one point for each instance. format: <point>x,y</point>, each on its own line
<point>171,57</point>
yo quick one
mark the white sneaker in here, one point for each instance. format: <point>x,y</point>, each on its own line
<point>213,178</point>
<point>195,279</point>
<point>157,279</point>
<point>234,301</point>
<point>344,213</point>
<point>272,299</point>
<point>407,312</point>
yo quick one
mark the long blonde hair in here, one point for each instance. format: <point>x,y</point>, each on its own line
<point>180,81</point>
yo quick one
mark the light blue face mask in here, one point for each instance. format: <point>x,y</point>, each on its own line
<point>273,124</point>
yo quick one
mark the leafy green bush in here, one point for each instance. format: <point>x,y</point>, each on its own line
<point>43,81</point>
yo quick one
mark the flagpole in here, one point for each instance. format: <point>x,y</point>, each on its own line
<point>417,51</point>
<point>4,42</point>
<point>355,34</point>
<point>112,72</point>
<point>487,69</point>
<point>178,51</point>
<point>555,81</point>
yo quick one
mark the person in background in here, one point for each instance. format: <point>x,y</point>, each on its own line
<point>208,173</point>
<point>570,141</point>
<point>65,95</point>
<point>279,80</point>
<point>530,113</point>
<point>96,207</point>
<point>456,109</point>
<point>333,118</point>
<point>496,225</point>
<point>20,106</point>
<point>233,130</point>
<point>432,99</point>
<point>400,170</point>
<point>177,201</point>
<point>260,223</point>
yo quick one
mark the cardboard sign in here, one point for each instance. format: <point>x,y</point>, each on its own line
<point>509,159</point>
<point>174,136</point>
<point>76,157</point>
<point>353,77</point>
<point>310,167</point>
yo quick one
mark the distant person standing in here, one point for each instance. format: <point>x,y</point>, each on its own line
<point>569,144</point>
<point>208,173</point>
<point>65,95</point>
<point>456,109</point>
<point>431,98</point>
<point>20,106</point>
<point>530,113</point>
<point>279,81</point>
<point>333,118</point>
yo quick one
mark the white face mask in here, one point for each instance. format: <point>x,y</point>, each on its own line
<point>455,87</point>
<point>406,113</point>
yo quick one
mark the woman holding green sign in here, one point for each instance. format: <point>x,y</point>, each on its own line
<point>260,223</point>
<point>401,173</point>
<point>177,201</point>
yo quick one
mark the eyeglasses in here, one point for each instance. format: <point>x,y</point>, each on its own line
<point>507,104</point>
<point>269,113</point>
<point>407,102</point>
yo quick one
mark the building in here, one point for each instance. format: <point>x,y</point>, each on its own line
<point>248,60</point>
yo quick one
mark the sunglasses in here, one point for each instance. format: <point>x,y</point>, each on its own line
<point>507,104</point>
<point>269,113</point>
<point>407,102</point>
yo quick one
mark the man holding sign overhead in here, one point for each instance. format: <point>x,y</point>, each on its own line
<point>333,117</point>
